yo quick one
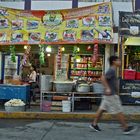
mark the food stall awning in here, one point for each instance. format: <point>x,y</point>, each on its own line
<point>132,41</point>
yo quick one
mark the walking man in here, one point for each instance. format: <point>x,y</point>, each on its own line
<point>111,101</point>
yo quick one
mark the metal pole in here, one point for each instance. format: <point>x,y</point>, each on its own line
<point>74,3</point>
<point>27,5</point>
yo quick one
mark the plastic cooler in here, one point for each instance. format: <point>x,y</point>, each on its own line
<point>129,74</point>
<point>137,75</point>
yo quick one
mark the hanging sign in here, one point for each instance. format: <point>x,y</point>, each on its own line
<point>95,54</point>
<point>42,54</point>
<point>129,24</point>
<point>12,53</point>
<point>25,60</point>
<point>59,57</point>
<point>69,26</point>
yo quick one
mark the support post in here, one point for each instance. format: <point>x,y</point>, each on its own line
<point>74,3</point>
<point>27,5</point>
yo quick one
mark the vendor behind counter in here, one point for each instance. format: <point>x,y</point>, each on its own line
<point>33,82</point>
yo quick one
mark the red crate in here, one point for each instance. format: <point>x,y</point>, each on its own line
<point>137,75</point>
<point>129,74</point>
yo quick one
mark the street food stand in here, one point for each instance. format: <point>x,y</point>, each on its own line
<point>129,50</point>
<point>83,32</point>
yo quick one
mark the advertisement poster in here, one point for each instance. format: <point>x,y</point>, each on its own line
<point>129,24</point>
<point>69,26</point>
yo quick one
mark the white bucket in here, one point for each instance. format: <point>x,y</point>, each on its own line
<point>66,106</point>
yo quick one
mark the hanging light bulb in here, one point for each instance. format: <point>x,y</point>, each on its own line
<point>48,54</point>
<point>49,49</point>
<point>63,49</point>
<point>25,47</point>
<point>78,49</point>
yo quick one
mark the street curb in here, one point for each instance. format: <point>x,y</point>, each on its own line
<point>65,116</point>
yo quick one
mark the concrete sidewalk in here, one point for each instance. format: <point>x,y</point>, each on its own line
<point>132,113</point>
<point>64,116</point>
<point>56,130</point>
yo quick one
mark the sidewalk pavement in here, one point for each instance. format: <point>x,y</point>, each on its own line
<point>132,113</point>
<point>56,130</point>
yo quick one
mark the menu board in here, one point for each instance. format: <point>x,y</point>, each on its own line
<point>81,25</point>
<point>129,23</point>
<point>128,86</point>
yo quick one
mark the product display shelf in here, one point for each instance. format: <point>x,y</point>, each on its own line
<point>85,69</point>
<point>72,96</point>
<point>52,101</point>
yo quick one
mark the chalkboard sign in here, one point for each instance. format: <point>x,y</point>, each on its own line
<point>128,86</point>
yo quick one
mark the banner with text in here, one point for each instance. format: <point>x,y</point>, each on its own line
<point>129,24</point>
<point>81,25</point>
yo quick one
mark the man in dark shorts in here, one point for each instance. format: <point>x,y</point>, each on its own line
<point>111,101</point>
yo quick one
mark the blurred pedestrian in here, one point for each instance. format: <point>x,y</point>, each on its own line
<point>111,101</point>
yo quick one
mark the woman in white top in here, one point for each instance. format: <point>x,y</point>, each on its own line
<point>33,75</point>
<point>32,81</point>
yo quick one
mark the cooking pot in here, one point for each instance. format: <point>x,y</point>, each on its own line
<point>83,88</point>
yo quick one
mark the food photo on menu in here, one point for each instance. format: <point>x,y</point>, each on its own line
<point>3,23</point>
<point>104,21</point>
<point>106,34</point>
<point>87,35</point>
<point>51,37</point>
<point>72,23</point>
<point>3,37</point>
<point>88,21</point>
<point>104,9</point>
<point>17,37</point>
<point>69,35</point>
<point>17,24</point>
<point>52,19</point>
<point>32,24</point>
<point>34,37</point>
<point>3,12</point>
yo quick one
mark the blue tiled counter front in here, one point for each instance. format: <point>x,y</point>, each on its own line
<point>8,92</point>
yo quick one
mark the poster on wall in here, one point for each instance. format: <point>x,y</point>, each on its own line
<point>129,24</point>
<point>80,25</point>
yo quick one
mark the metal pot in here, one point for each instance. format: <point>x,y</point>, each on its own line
<point>83,88</point>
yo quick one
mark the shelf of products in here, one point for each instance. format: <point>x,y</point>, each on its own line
<point>85,69</point>
<point>52,101</point>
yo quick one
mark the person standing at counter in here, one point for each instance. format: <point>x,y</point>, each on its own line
<point>32,82</point>
<point>111,101</point>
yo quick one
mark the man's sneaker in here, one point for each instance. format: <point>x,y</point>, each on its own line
<point>129,130</point>
<point>95,127</point>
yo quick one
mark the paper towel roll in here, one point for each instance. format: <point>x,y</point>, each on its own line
<point>135,94</point>
<point>46,82</point>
